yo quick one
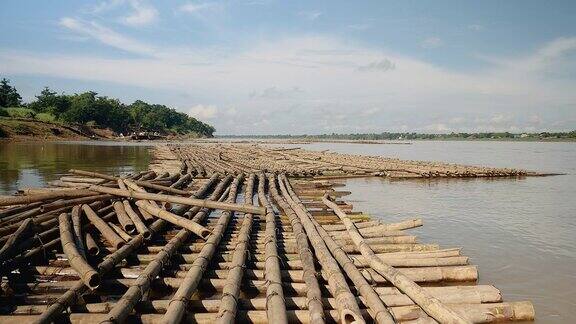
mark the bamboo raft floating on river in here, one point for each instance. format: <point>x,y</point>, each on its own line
<point>206,237</point>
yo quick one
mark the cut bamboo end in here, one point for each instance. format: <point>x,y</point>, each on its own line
<point>93,281</point>
<point>349,317</point>
<point>91,245</point>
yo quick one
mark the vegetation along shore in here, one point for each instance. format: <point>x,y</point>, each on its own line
<point>377,138</point>
<point>88,115</point>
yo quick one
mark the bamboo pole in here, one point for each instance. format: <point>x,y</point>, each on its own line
<point>88,275</point>
<point>83,180</point>
<point>231,291</point>
<point>180,200</point>
<point>349,310</point>
<point>182,181</point>
<point>4,213</point>
<point>483,313</point>
<point>146,216</point>
<point>20,200</point>
<point>77,227</point>
<point>391,296</point>
<point>136,291</point>
<point>176,308</point>
<point>125,236</point>
<point>427,302</point>
<point>314,294</point>
<point>121,184</point>
<point>91,245</point>
<point>147,184</point>
<point>105,266</point>
<point>93,174</point>
<point>123,218</point>
<point>275,306</point>
<point>42,239</point>
<point>378,310</point>
<point>377,225</point>
<point>449,257</point>
<point>107,232</point>
<point>11,247</point>
<point>138,223</point>
<point>193,227</point>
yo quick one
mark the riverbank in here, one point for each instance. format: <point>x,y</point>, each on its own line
<point>35,130</point>
<point>30,130</point>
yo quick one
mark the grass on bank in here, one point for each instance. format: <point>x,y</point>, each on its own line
<point>22,112</point>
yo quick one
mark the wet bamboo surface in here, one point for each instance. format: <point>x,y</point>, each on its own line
<point>299,254</point>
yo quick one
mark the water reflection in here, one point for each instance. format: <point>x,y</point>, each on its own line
<point>33,164</point>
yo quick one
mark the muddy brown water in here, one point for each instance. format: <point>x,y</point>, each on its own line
<point>520,232</point>
<point>34,164</point>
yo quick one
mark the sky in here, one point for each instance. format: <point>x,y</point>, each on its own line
<point>308,67</point>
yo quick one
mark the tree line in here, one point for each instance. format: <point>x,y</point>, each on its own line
<point>91,109</point>
<point>417,136</point>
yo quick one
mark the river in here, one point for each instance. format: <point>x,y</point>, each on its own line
<point>520,232</point>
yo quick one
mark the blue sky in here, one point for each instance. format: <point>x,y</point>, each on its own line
<point>264,66</point>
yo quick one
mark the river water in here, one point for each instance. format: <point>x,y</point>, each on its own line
<point>34,164</point>
<point>520,232</point>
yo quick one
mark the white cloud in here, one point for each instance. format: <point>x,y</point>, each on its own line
<point>310,15</point>
<point>326,68</point>
<point>499,119</point>
<point>431,42</point>
<point>203,111</point>
<point>104,6</point>
<point>143,14</point>
<point>457,120</point>
<point>549,55</point>
<point>276,93</point>
<point>213,15</point>
<point>196,7</point>
<point>105,35</point>
<point>535,120</point>
<point>437,128</point>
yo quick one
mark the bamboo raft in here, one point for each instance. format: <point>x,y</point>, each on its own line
<point>219,239</point>
<point>206,159</point>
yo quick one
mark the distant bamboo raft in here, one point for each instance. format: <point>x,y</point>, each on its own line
<point>187,241</point>
<point>206,159</point>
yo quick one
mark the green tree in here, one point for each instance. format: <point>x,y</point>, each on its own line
<point>50,102</point>
<point>9,96</point>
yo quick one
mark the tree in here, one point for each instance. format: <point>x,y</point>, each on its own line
<point>9,96</point>
<point>50,102</point>
<point>102,111</point>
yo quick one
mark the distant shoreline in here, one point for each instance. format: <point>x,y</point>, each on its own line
<point>387,142</point>
<point>388,138</point>
<point>33,130</point>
